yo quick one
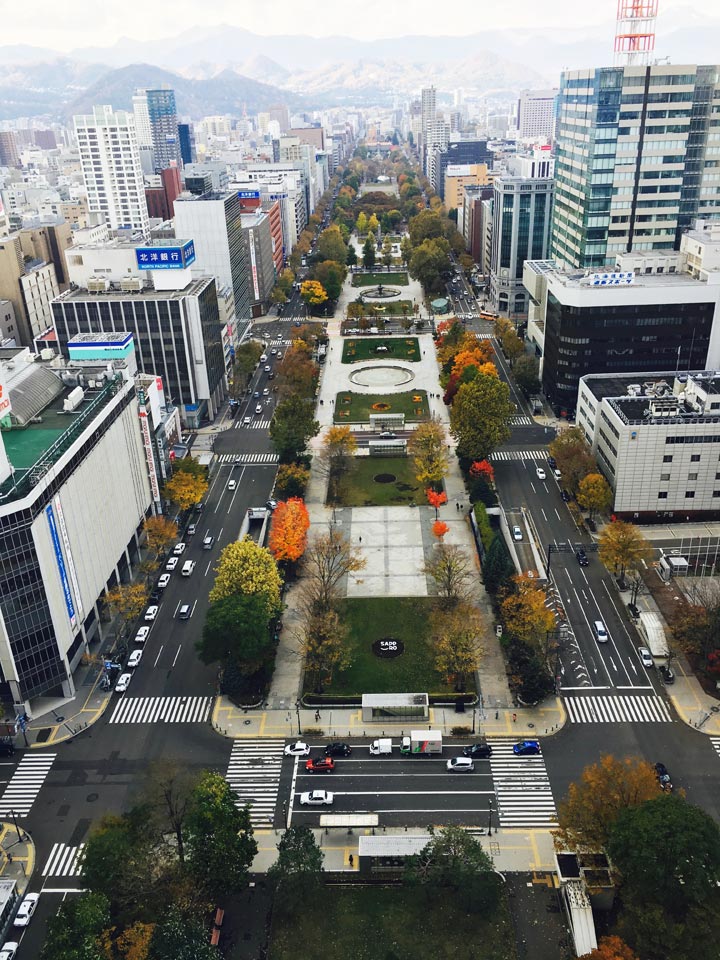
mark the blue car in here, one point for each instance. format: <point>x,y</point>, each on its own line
<point>526,748</point>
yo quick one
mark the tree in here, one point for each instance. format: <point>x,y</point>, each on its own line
<point>480,416</point>
<point>406,250</point>
<point>621,546</point>
<point>527,374</point>
<point>236,628</point>
<point>529,678</point>
<point>220,842</point>
<point>387,255</point>
<point>126,601</point>
<point>168,792</point>
<point>185,489</point>
<point>368,253</point>
<point>512,346</point>
<point>456,638</point>
<point>429,263</point>
<point>297,374</point>
<point>291,481</point>
<point>448,566</point>
<point>373,224</point>
<point>134,942</point>
<point>181,936</point>
<point>247,357</point>
<point>594,493</point>
<point>322,643</point>
<point>454,858</point>
<point>589,811</point>
<point>76,931</point>
<point>338,448</point>
<point>288,530</point>
<point>573,457</point>
<point>292,425</point>
<point>331,246</point>
<point>440,529</point>
<point>497,568</point>
<point>482,470</point>
<point>160,532</point>
<point>328,559</point>
<point>428,448</point>
<point>247,568</point>
<point>687,873</point>
<point>612,948</point>
<point>361,224</point>
<point>313,293</point>
<point>525,613</point>
<point>696,626</point>
<point>351,258</point>
<point>298,868</point>
<point>436,499</point>
<point>331,276</point>
<point>425,226</point>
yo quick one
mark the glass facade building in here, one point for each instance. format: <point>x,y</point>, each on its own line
<point>162,114</point>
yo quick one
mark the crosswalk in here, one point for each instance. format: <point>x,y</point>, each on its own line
<point>25,784</point>
<point>254,775</point>
<point>715,741</point>
<point>521,421</point>
<point>162,710</point>
<point>254,424</point>
<point>249,459</point>
<point>519,455</point>
<point>64,861</point>
<point>618,709</point>
<point>522,788</point>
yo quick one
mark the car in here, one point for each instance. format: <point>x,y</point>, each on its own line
<point>179,549</point>
<point>7,749</point>
<point>320,765</point>
<point>263,358</point>
<point>540,473</point>
<point>123,682</point>
<point>338,750</point>
<point>155,595</point>
<point>387,435</point>
<point>321,798</point>
<point>151,612</point>
<point>666,673</point>
<point>460,765</point>
<point>271,376</point>
<point>557,475</point>
<point>268,368</point>
<point>645,657</point>
<point>9,950</point>
<point>258,408</point>
<point>480,750</point>
<point>256,395</point>
<point>208,542</point>
<point>142,635</point>
<point>266,392</point>
<point>526,748</point>
<point>247,421</point>
<point>172,563</point>
<point>134,658</point>
<point>296,323</point>
<point>273,352</point>
<point>566,496</point>
<point>188,568</point>
<point>517,533</point>
<point>552,462</point>
<point>279,337</point>
<point>661,771</point>
<point>237,462</point>
<point>271,504</point>
<point>191,529</point>
<point>582,558</point>
<point>199,506</point>
<point>297,749</point>
<point>26,910</point>
<point>232,484</point>
<point>163,580</point>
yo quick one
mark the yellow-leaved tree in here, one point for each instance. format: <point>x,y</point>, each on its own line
<point>622,547</point>
<point>525,614</point>
<point>127,601</point>
<point>247,568</point>
<point>186,489</point>
<point>428,448</point>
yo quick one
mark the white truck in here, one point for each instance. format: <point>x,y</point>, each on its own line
<point>381,746</point>
<point>422,742</point>
<point>653,633</point>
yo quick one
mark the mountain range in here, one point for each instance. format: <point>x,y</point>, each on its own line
<point>226,69</point>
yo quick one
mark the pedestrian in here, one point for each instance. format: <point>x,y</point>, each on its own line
<point>514,718</point>
<point>359,539</point>
<point>351,861</point>
<point>317,714</point>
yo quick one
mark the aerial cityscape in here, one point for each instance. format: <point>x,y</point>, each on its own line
<point>360,481</point>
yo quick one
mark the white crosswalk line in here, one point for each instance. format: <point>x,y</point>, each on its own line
<point>715,741</point>
<point>25,784</point>
<point>162,710</point>
<point>518,455</point>
<point>248,459</point>
<point>254,775</point>
<point>522,788</point>
<point>64,861</point>
<point>618,709</point>
<point>521,421</point>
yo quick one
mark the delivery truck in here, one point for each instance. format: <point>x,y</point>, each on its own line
<point>422,742</point>
<point>381,746</point>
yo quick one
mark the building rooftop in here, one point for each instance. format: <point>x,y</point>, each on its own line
<point>647,398</point>
<point>147,293</point>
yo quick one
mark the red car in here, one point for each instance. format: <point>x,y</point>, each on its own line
<point>320,765</point>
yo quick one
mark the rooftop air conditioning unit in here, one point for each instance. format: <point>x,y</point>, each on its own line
<point>131,285</point>
<point>98,285</point>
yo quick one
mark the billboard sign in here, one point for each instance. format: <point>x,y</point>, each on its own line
<point>166,257</point>
<point>612,279</point>
<point>60,560</point>
<point>249,194</point>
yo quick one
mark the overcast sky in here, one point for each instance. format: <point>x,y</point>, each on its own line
<point>72,23</point>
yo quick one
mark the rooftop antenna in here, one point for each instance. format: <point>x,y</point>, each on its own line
<point>635,32</point>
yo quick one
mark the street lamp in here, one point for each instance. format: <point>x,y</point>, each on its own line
<point>297,713</point>
<point>490,810</point>
<point>473,729</point>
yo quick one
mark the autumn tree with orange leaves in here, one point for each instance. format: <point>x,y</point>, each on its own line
<point>482,470</point>
<point>612,948</point>
<point>288,530</point>
<point>435,499</point>
<point>439,529</point>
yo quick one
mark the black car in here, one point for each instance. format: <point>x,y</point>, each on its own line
<point>582,558</point>
<point>478,750</point>
<point>566,496</point>
<point>552,462</point>
<point>337,750</point>
<point>155,596</point>
<point>666,673</point>
<point>7,748</point>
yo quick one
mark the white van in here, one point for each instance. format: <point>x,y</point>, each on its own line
<point>600,631</point>
<point>188,568</point>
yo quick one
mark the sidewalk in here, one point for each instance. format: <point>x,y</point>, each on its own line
<point>17,860</point>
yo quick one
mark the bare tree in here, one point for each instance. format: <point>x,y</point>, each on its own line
<point>328,559</point>
<point>449,566</point>
<point>169,791</point>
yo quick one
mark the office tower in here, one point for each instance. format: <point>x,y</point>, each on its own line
<point>9,156</point>
<point>536,114</point>
<point>213,220</point>
<point>522,204</point>
<point>162,114</point>
<point>428,115</point>
<point>281,115</point>
<point>163,193</point>
<point>456,152</point>
<point>143,131</point>
<point>110,162</point>
<point>186,137</point>
<point>635,160</point>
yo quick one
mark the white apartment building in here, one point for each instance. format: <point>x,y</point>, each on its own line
<point>110,160</point>
<point>536,114</point>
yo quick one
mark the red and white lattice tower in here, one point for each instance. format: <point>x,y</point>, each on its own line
<point>635,32</point>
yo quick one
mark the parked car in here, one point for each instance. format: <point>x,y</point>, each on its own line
<point>26,910</point>
<point>179,549</point>
<point>134,658</point>
<point>460,765</point>
<point>172,563</point>
<point>338,750</point>
<point>645,657</point>
<point>526,748</point>
<point>320,765</point>
<point>271,504</point>
<point>9,950</point>
<point>163,580</point>
<point>191,529</point>
<point>123,682</point>
<point>151,612</point>
<point>481,751</point>
<point>142,634</point>
<point>297,749</point>
<point>566,496</point>
<point>316,798</point>
<point>552,462</point>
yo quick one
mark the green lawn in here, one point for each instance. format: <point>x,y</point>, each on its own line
<point>371,619</point>
<point>366,348</point>
<point>359,488</point>
<point>382,309</point>
<point>389,923</point>
<point>399,279</point>
<point>357,407</point>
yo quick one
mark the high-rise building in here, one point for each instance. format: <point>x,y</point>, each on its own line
<point>161,196</point>
<point>281,115</point>
<point>456,152</point>
<point>186,137</point>
<point>162,114</point>
<point>144,133</point>
<point>522,205</point>
<point>110,162</point>
<point>428,115</point>
<point>536,114</point>
<point>213,220</point>
<point>9,155</point>
<point>636,160</point>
